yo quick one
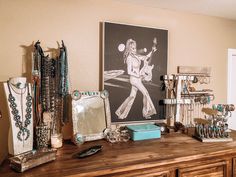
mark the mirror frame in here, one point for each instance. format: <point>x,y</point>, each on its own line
<point>78,95</point>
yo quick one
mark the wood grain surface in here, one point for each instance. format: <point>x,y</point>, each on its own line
<point>174,154</point>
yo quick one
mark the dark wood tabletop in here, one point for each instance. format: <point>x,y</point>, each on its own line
<point>120,157</point>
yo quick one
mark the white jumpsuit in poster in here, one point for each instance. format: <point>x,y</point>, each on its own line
<point>133,61</point>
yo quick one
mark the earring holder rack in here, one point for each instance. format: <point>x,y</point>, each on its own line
<point>209,125</point>
<point>184,101</point>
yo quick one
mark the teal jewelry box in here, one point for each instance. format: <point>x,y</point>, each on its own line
<point>144,131</point>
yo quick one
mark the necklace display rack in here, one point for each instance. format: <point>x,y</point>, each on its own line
<point>51,87</point>
<point>47,105</point>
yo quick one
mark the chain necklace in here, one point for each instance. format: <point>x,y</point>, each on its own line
<point>17,118</point>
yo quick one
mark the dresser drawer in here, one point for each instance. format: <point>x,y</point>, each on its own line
<point>153,172</point>
<point>218,169</point>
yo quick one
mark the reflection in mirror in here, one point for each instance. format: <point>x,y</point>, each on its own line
<point>90,111</point>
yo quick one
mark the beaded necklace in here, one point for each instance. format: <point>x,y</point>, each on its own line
<point>17,118</point>
<point>63,71</point>
<point>63,83</point>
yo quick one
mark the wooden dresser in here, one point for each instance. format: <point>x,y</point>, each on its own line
<point>174,155</point>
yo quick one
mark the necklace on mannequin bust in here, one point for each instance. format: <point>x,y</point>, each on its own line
<point>17,118</point>
<point>15,88</point>
<point>19,85</point>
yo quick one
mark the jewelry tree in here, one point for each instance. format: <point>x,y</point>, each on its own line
<point>50,83</point>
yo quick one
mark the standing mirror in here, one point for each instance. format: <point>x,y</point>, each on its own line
<point>90,112</point>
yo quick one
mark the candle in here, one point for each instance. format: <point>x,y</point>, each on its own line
<point>56,140</point>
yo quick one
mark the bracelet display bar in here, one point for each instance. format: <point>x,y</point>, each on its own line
<point>177,77</point>
<point>212,140</point>
<point>178,101</point>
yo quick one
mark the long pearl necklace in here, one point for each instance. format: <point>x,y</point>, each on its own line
<point>17,118</point>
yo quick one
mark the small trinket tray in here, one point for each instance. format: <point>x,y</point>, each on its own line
<point>88,152</point>
<point>144,131</point>
<point>28,160</point>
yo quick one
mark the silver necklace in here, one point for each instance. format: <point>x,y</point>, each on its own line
<point>23,133</point>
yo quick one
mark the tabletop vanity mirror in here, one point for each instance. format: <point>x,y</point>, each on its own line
<point>90,112</point>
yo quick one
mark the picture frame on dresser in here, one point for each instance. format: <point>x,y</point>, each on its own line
<point>134,59</point>
<point>90,113</point>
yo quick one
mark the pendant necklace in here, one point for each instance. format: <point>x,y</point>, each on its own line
<point>17,118</point>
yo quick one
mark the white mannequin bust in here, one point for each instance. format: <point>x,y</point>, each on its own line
<point>19,101</point>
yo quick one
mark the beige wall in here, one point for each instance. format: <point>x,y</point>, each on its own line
<point>193,39</point>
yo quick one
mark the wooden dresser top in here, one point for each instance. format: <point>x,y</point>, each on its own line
<point>119,157</point>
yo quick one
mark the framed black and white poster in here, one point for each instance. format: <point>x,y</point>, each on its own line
<point>134,60</point>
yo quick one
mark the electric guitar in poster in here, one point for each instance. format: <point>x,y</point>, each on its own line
<point>146,70</point>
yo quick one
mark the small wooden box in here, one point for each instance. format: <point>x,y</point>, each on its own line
<point>26,161</point>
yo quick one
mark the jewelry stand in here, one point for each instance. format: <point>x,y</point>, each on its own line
<point>4,125</point>
<point>19,101</point>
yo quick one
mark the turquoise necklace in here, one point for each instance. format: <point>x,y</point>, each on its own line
<point>23,133</point>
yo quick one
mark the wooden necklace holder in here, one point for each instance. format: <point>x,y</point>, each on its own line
<point>19,91</point>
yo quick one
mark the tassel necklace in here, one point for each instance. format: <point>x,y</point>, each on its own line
<point>17,118</point>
